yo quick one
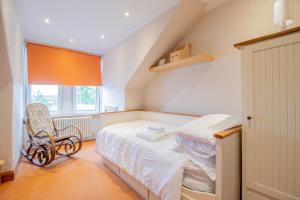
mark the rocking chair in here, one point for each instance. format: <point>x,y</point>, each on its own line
<point>45,140</point>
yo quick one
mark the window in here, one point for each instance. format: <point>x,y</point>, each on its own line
<point>86,98</point>
<point>46,94</point>
<point>66,100</point>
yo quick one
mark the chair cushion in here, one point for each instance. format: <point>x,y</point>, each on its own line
<point>39,118</point>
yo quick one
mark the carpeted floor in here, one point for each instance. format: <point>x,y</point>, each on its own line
<point>82,177</point>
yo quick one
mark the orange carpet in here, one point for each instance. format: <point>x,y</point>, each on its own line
<point>83,177</point>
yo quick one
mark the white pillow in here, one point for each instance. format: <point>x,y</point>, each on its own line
<point>226,123</point>
<point>205,127</point>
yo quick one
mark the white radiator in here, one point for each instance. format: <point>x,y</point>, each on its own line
<point>83,123</point>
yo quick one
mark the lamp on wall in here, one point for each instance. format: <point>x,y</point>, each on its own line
<point>283,13</point>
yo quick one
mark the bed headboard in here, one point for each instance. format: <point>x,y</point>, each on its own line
<point>166,117</point>
<point>109,118</point>
<point>176,119</point>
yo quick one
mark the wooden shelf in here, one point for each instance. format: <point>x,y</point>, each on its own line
<point>267,37</point>
<point>202,58</point>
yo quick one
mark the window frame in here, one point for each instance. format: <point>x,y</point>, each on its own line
<point>59,99</point>
<point>67,95</point>
<point>97,110</point>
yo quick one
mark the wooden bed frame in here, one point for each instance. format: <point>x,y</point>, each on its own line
<point>228,153</point>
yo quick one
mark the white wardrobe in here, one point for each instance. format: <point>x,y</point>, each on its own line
<point>271,112</point>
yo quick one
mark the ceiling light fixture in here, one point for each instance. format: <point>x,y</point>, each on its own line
<point>127,14</point>
<point>47,20</point>
<point>71,40</point>
<point>102,37</point>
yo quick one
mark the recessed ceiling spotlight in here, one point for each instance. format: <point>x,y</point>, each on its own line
<point>127,14</point>
<point>71,40</point>
<point>102,37</point>
<point>47,20</point>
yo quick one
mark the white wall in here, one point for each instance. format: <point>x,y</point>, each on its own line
<point>126,67</point>
<point>113,96</point>
<point>121,62</point>
<point>134,98</point>
<point>214,87</point>
<point>14,44</point>
<point>5,123</point>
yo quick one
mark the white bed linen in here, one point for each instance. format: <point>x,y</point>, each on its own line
<point>155,165</point>
<point>194,183</point>
<point>196,179</point>
<point>203,154</point>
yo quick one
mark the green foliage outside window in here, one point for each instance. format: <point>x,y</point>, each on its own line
<point>48,100</point>
<point>86,95</point>
<point>40,98</point>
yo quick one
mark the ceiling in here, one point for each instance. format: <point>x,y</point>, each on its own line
<point>85,21</point>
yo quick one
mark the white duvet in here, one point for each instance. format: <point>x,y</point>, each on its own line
<point>154,164</point>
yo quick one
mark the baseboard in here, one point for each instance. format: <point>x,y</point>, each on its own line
<point>7,176</point>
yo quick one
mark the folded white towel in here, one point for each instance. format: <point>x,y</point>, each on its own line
<point>156,131</point>
<point>152,137</point>
<point>156,128</point>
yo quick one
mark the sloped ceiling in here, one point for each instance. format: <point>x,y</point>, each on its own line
<point>186,14</point>
<point>121,62</point>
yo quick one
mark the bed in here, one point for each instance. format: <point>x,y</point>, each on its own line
<point>155,170</point>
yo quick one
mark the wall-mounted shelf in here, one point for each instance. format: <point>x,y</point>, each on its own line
<point>202,58</point>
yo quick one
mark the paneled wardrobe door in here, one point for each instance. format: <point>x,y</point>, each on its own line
<point>271,113</point>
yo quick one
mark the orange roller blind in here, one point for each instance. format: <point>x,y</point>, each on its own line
<point>55,66</point>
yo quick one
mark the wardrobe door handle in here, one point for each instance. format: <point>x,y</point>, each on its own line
<point>249,117</point>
